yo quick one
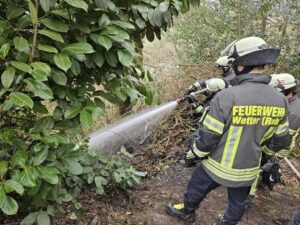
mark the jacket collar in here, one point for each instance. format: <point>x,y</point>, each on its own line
<point>293,98</point>
<point>253,78</point>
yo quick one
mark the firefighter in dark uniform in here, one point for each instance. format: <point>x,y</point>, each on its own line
<point>295,220</point>
<point>241,119</point>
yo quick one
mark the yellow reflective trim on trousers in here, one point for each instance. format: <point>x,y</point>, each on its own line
<point>213,124</point>
<point>231,177</point>
<point>268,134</point>
<point>198,152</point>
<point>237,172</point>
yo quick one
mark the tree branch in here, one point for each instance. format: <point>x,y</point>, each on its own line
<point>35,32</point>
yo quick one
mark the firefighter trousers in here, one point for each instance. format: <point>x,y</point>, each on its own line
<point>201,184</point>
<point>295,220</point>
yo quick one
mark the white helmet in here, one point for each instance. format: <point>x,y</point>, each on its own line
<point>284,82</point>
<point>251,51</point>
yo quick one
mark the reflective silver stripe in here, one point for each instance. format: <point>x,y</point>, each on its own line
<point>282,128</point>
<point>233,139</point>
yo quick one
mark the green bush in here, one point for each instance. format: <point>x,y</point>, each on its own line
<point>60,59</point>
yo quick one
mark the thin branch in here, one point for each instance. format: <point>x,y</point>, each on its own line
<point>35,32</point>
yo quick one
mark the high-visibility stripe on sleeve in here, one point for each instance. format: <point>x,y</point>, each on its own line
<point>292,132</point>
<point>282,128</point>
<point>268,151</point>
<point>189,155</point>
<point>268,134</point>
<point>213,124</point>
<point>198,152</point>
<point>231,145</point>
<point>283,153</point>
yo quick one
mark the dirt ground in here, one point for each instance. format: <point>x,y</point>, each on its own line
<point>146,205</point>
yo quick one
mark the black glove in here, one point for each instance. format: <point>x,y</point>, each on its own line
<point>271,174</point>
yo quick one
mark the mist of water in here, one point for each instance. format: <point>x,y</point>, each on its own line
<point>130,131</point>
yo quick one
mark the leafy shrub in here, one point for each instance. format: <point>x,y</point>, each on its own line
<point>59,61</point>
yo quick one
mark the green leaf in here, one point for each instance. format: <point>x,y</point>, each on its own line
<point>78,4</point>
<point>4,50</point>
<point>111,58</point>
<point>27,177</point>
<point>8,77</point>
<point>150,35</point>
<point>41,71</point>
<point>39,88</point>
<point>54,24</point>
<point>164,6</point>
<point>21,99</point>
<point>124,25</point>
<point>98,59</point>
<point>47,48</point>
<point>72,166</point>
<point>12,185</point>
<point>59,77</point>
<point>10,206</point>
<point>62,61</point>
<point>21,66</point>
<point>62,13</point>
<point>13,12</point>
<point>21,44</point>
<point>33,12</point>
<point>47,4</point>
<point>75,68</point>
<point>43,218</point>
<point>41,66</point>
<point>3,169</point>
<point>86,118</point>
<point>104,41</point>
<point>78,48</point>
<point>29,219</point>
<point>104,21</point>
<point>132,93</point>
<point>100,181</point>
<point>40,157</point>
<point>149,98</point>
<point>20,158</point>
<point>125,58</point>
<point>52,34</point>
<point>72,112</point>
<point>49,174</point>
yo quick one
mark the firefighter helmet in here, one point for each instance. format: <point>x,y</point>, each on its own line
<point>284,82</point>
<point>252,51</point>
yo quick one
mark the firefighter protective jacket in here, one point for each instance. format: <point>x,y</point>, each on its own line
<point>294,125</point>
<point>241,119</point>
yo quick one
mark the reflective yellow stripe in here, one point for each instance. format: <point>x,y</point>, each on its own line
<point>292,132</point>
<point>213,124</point>
<point>283,153</point>
<point>231,145</point>
<point>235,175</point>
<point>267,150</point>
<point>282,128</point>
<point>189,155</point>
<point>198,152</point>
<point>237,172</point>
<point>268,134</point>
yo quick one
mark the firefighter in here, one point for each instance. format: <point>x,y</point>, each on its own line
<point>224,64</point>
<point>241,119</point>
<point>271,174</point>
